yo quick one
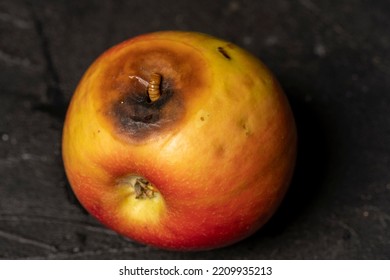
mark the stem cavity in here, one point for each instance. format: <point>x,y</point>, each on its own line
<point>143,189</point>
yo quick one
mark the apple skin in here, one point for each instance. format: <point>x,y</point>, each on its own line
<point>219,146</point>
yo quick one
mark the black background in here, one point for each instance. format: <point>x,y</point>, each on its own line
<point>331,57</point>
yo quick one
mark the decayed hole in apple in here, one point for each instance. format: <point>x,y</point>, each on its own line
<point>153,86</point>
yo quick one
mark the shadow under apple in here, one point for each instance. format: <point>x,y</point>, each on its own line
<point>312,163</point>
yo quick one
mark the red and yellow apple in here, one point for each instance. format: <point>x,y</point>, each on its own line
<point>203,165</point>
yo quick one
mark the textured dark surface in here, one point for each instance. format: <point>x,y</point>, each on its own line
<point>332,58</point>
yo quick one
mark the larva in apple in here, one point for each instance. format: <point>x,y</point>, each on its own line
<point>154,87</point>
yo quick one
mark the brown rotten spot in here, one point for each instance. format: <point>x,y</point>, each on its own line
<point>127,105</point>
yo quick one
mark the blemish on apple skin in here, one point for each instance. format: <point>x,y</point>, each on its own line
<point>203,116</point>
<point>224,53</point>
<point>219,151</point>
<point>246,128</point>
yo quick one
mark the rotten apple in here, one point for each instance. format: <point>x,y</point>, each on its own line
<point>179,140</point>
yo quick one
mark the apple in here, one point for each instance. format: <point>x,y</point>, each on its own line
<point>179,140</point>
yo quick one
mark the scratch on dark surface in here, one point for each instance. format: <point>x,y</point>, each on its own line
<point>55,253</point>
<point>326,19</point>
<point>48,219</point>
<point>11,160</point>
<point>309,5</point>
<point>15,21</point>
<point>15,60</point>
<point>95,254</point>
<point>55,102</point>
<point>351,232</point>
<point>23,240</point>
<point>383,217</point>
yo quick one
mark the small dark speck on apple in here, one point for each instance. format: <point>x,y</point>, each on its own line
<point>224,53</point>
